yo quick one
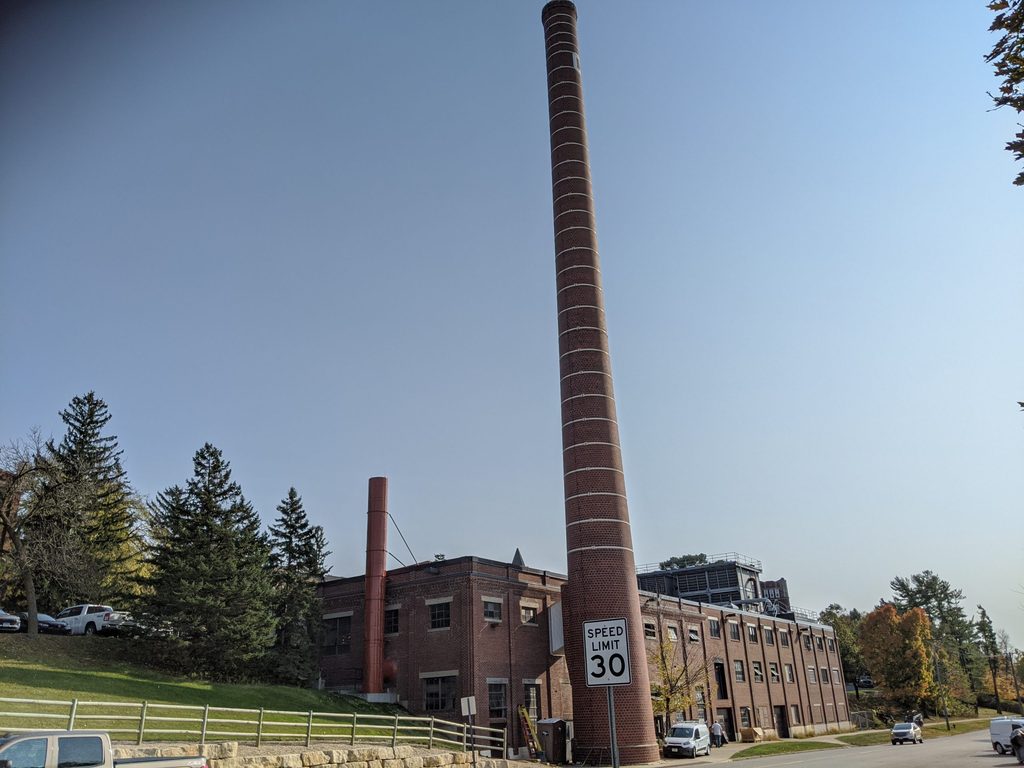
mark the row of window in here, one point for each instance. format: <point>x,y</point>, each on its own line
<point>440,695</point>
<point>753,635</point>
<point>757,669</point>
<point>337,636</point>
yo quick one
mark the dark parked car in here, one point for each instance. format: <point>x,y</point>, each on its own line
<point>47,624</point>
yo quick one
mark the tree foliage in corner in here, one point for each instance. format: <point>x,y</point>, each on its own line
<point>683,561</point>
<point>1007,56</point>
<point>297,559</point>
<point>990,648</point>
<point>210,593</point>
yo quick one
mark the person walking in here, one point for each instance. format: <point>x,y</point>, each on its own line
<point>716,733</point>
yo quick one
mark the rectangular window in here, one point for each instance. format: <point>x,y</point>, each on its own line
<point>835,675</point>
<point>673,633</point>
<point>794,714</point>
<point>694,634</point>
<point>824,675</point>
<point>744,717</point>
<point>30,753</point>
<point>769,636</point>
<point>714,628</point>
<point>438,692</point>
<point>819,642</point>
<point>790,674</point>
<point>337,636</point>
<point>391,621</point>
<point>831,645</point>
<point>650,632</point>
<point>773,672</point>
<point>79,751</point>
<point>807,642</point>
<point>812,676</point>
<point>734,630</point>
<point>531,697</point>
<point>496,698</point>
<point>784,638</point>
<point>528,614</point>
<point>492,611</point>
<point>440,615</point>
<point>739,671</point>
<point>758,670</point>
<point>752,633</point>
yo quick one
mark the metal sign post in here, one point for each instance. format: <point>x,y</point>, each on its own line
<point>469,710</point>
<point>606,650</point>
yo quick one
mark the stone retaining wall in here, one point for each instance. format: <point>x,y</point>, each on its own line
<point>226,755</point>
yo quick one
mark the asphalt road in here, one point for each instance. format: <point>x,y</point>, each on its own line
<point>971,750</point>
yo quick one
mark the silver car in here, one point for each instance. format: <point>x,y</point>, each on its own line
<point>902,732</point>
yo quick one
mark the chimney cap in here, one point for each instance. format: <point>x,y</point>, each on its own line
<point>556,5</point>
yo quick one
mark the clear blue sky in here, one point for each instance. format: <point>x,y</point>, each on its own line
<point>318,235</point>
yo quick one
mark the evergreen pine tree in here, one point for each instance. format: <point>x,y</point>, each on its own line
<point>98,513</point>
<point>299,552</point>
<point>210,588</point>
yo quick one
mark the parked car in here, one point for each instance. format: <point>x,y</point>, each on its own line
<point>687,739</point>
<point>902,732</point>
<point>1000,731</point>
<point>78,748</point>
<point>865,681</point>
<point>47,624</point>
<point>89,619</point>
<point>9,622</point>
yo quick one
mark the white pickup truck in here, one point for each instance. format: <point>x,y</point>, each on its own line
<point>89,619</point>
<point>76,749</point>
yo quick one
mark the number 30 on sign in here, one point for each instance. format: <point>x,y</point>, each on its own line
<point>606,649</point>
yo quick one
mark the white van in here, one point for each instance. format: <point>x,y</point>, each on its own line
<point>687,739</point>
<point>1000,730</point>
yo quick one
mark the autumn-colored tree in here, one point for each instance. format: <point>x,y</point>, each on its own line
<point>678,669</point>
<point>897,649</point>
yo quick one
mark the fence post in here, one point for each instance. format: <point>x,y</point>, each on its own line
<point>259,729</point>
<point>394,733</point>
<point>142,721</point>
<point>430,738</point>
<point>355,718</point>
<point>309,729</point>
<point>465,735</point>
<point>206,719</point>
<point>71,715</point>
<point>504,743</point>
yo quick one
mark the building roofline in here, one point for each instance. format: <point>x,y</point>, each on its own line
<point>443,564</point>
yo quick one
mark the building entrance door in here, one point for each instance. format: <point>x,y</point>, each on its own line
<point>724,716</point>
<point>781,726</point>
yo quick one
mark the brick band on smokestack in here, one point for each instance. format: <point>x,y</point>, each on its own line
<point>602,573</point>
<point>376,563</point>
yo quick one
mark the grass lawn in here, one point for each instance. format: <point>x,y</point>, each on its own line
<point>932,730</point>
<point>89,669</point>
<point>770,748</point>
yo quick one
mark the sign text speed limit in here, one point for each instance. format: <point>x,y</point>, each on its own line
<point>606,649</point>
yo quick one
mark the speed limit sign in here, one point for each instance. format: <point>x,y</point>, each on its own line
<point>606,649</point>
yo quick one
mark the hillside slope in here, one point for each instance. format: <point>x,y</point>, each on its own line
<point>66,668</point>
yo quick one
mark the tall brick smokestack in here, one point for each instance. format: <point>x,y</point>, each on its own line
<point>601,569</point>
<point>376,562</point>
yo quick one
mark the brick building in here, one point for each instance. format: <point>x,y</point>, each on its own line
<point>476,627</point>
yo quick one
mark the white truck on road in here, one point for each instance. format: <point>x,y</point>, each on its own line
<point>1000,730</point>
<point>49,749</point>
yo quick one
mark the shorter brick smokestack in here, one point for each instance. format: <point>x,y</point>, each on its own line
<point>376,562</point>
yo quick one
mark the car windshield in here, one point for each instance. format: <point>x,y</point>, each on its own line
<point>682,732</point>
<point>44,617</point>
<point>903,726</point>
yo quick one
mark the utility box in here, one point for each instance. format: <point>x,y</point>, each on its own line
<point>555,738</point>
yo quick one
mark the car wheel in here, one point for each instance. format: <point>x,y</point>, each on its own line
<point>999,748</point>
<point>90,628</point>
<point>894,742</point>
